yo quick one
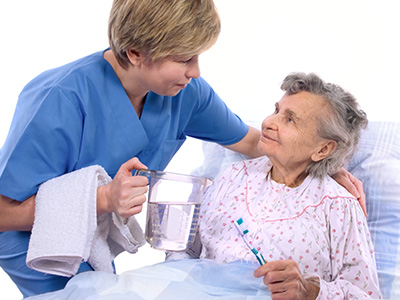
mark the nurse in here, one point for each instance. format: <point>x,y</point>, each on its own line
<point>126,107</point>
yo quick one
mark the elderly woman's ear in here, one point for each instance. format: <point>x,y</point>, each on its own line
<point>324,150</point>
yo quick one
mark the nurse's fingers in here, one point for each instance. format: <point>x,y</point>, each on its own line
<point>137,184</point>
<point>135,207</point>
<point>135,210</point>
<point>139,189</point>
<point>132,164</point>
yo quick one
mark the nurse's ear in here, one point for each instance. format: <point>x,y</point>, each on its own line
<point>134,57</point>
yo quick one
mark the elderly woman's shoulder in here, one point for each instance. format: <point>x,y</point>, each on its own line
<point>330,188</point>
<point>333,193</point>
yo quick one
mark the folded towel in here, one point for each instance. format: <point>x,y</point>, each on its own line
<point>66,230</point>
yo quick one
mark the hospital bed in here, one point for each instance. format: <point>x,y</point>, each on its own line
<point>376,164</point>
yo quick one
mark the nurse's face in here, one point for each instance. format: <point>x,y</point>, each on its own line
<point>169,76</point>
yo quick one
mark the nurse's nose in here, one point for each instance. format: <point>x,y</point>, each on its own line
<point>193,70</point>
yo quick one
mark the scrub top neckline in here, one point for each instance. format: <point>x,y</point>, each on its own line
<point>151,106</point>
<point>122,108</point>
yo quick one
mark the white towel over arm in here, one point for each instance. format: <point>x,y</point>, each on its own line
<point>66,230</point>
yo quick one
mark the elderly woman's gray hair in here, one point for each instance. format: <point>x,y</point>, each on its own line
<point>342,125</point>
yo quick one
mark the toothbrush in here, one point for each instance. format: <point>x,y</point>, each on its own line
<point>239,226</point>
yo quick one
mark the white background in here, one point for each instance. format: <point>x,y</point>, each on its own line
<point>350,42</point>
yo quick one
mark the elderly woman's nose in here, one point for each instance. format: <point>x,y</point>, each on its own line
<point>270,122</point>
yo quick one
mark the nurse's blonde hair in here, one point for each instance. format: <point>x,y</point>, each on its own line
<point>162,28</point>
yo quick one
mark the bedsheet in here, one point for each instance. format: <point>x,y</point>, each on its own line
<point>182,279</point>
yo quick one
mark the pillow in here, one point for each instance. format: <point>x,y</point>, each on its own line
<point>377,165</point>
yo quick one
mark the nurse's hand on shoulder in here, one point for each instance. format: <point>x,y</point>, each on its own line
<point>353,185</point>
<point>125,194</point>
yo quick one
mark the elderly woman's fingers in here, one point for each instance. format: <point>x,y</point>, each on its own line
<point>285,281</point>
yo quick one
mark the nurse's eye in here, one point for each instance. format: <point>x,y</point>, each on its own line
<point>186,61</point>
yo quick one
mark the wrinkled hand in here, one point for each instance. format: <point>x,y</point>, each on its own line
<point>125,194</point>
<point>285,281</point>
<point>353,185</point>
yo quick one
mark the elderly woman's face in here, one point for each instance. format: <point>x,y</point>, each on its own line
<point>289,136</point>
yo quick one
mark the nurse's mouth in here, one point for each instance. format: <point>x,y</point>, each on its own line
<point>181,86</point>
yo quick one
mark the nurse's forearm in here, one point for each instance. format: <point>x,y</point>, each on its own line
<point>248,145</point>
<point>16,215</point>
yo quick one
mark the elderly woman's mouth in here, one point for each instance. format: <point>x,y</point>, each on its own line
<point>267,137</point>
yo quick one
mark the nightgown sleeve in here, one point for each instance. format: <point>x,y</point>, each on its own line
<point>354,273</point>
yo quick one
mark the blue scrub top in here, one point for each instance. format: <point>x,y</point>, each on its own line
<point>79,115</point>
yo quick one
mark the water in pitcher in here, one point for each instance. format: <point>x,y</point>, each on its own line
<point>171,225</point>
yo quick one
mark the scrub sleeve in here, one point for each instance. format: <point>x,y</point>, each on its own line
<point>79,115</point>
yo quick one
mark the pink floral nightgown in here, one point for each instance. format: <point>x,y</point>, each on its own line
<point>318,224</point>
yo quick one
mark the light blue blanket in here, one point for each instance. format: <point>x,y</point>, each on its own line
<point>184,279</point>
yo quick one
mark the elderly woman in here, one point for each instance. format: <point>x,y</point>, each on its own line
<point>312,232</point>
